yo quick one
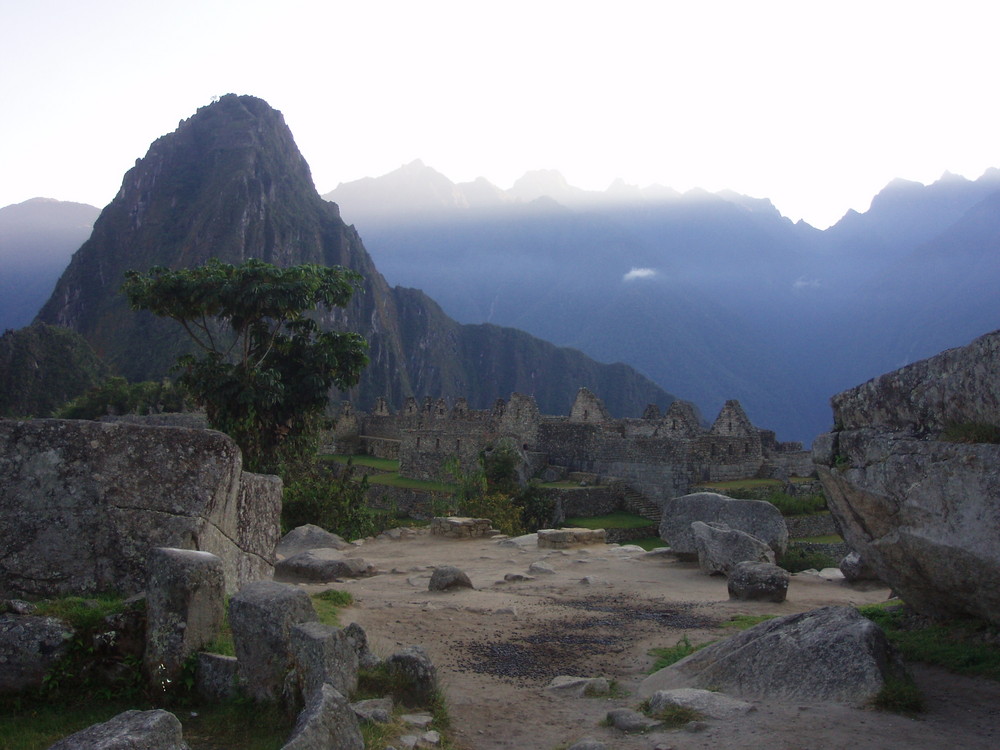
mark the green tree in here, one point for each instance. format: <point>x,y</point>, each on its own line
<point>264,369</point>
<point>117,396</point>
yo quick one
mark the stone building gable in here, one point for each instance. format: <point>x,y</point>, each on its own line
<point>734,422</point>
<point>587,407</point>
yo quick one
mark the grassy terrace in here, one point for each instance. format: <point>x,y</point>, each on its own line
<point>389,473</point>
<point>381,464</point>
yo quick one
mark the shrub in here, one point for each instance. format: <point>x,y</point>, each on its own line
<point>795,560</point>
<point>319,496</point>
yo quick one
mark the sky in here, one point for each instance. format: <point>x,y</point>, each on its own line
<point>815,105</point>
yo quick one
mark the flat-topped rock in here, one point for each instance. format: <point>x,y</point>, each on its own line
<point>566,538</point>
<point>459,527</point>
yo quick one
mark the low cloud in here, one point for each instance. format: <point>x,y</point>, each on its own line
<point>639,273</point>
<point>803,283</point>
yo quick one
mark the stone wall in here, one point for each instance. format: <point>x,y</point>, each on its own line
<point>660,455</point>
<point>81,504</point>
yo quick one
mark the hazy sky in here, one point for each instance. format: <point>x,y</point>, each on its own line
<point>816,105</point>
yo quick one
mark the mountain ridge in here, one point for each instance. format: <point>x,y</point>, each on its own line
<point>231,183</point>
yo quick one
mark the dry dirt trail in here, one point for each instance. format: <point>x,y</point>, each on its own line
<point>598,614</point>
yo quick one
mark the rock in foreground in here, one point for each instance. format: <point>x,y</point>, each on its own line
<point>832,653</point>
<point>922,512</point>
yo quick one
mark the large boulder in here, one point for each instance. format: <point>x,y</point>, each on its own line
<point>720,549</point>
<point>82,503</point>
<point>131,730</point>
<point>832,653</point>
<point>922,512</point>
<point>754,517</point>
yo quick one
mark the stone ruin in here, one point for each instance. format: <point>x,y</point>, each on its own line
<point>660,455</point>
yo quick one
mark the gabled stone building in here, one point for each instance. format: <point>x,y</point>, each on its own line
<point>659,455</point>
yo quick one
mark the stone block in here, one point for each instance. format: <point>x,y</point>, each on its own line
<point>327,721</point>
<point>457,527</point>
<point>216,677</point>
<point>261,616</point>
<point>29,647</point>
<point>323,654</point>
<point>567,538</point>
<point>185,609</point>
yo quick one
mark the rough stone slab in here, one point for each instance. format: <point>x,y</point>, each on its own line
<point>321,566</point>
<point>754,517</point>
<point>712,704</point>
<point>627,720</point>
<point>579,686</point>
<point>82,502</point>
<point>414,667</point>
<point>567,538</point>
<point>831,653</point>
<point>374,710</point>
<point>29,647</point>
<point>924,514</point>
<point>458,527</point>
<point>131,730</point>
<point>855,569</point>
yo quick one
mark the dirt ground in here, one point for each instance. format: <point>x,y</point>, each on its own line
<point>599,613</point>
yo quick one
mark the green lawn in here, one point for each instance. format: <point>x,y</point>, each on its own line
<point>616,520</point>
<point>737,484</point>
<point>823,539</point>
<point>382,464</point>
<point>423,485</point>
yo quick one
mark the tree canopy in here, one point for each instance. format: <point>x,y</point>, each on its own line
<point>264,369</point>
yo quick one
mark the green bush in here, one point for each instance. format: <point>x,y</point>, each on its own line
<point>337,503</point>
<point>797,505</point>
<point>117,396</point>
<point>795,560</point>
<point>964,645</point>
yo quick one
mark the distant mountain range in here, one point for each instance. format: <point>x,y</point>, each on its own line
<point>713,296</point>
<point>37,238</point>
<point>231,183</point>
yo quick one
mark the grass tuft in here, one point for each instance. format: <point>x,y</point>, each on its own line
<point>963,645</point>
<point>899,695</point>
<point>667,655</point>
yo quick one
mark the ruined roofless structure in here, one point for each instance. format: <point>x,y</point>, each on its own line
<point>658,455</point>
